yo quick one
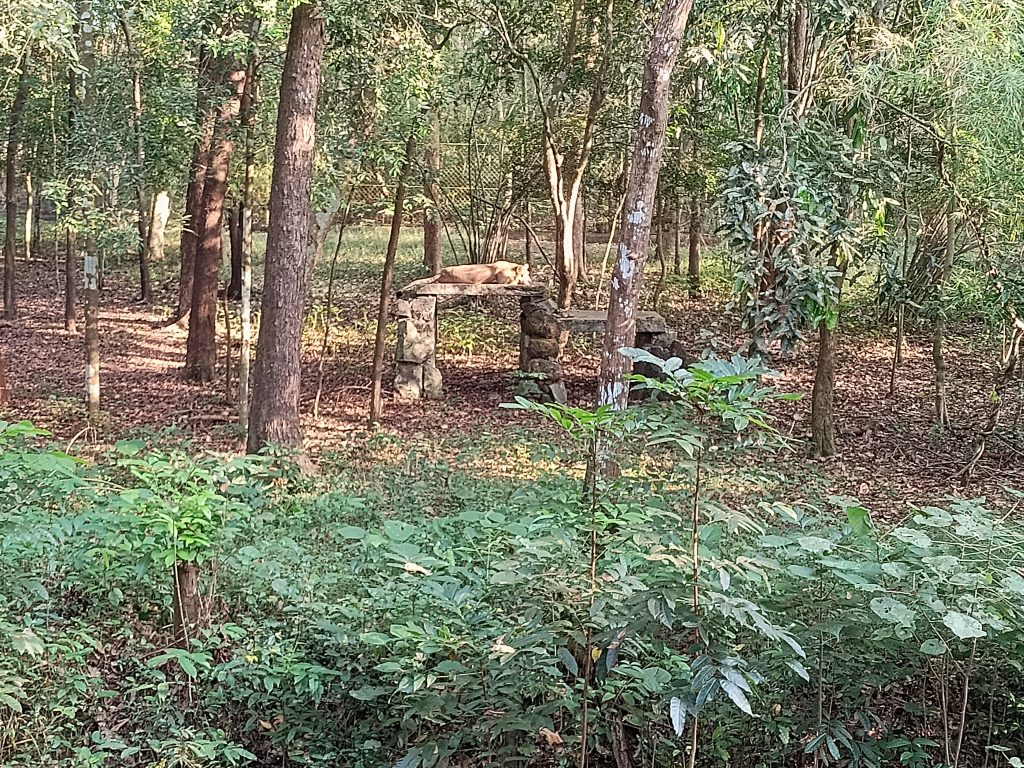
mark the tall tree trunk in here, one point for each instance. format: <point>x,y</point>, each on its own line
<point>234,291</point>
<point>245,309</point>
<point>201,350</point>
<point>70,236</point>
<point>634,238</point>
<point>939,332</point>
<point>823,430</point>
<point>386,285</point>
<point>432,254</point>
<point>579,239</point>
<point>91,261</point>
<point>11,189</point>
<point>142,246</point>
<point>4,394</point>
<point>277,377</point>
<point>196,182</point>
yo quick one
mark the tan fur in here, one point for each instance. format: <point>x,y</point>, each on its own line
<point>500,272</point>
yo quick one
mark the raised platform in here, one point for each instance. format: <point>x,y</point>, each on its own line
<point>460,289</point>
<point>595,320</point>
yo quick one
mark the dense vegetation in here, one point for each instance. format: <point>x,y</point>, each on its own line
<point>794,539</point>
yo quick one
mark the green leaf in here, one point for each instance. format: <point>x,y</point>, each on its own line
<point>860,521</point>
<point>963,626</point>
<point>912,537</point>
<point>815,544</point>
<point>933,647</point>
<point>739,698</point>
<point>893,611</point>
<point>11,702</point>
<point>28,642</point>
<point>569,661</point>
<point>799,668</point>
<point>677,711</point>
<point>375,638</point>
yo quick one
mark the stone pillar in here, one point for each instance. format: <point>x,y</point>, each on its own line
<point>416,373</point>
<point>539,347</point>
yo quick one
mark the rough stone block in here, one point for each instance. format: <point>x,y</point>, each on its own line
<point>408,381</point>
<point>550,368</point>
<point>415,344</point>
<point>432,382</point>
<point>558,392</point>
<point>541,324</point>
<point>543,348</point>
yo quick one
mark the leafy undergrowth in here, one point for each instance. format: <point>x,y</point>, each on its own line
<point>410,608</point>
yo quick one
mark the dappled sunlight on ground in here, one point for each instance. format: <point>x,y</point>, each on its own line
<point>891,453</point>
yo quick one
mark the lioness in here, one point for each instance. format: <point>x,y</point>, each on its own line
<point>500,272</point>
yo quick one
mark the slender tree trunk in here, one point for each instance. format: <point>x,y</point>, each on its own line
<point>70,236</point>
<point>579,239</point>
<point>386,284</point>
<point>634,237</point>
<point>939,333</point>
<point>235,216</point>
<point>245,310</point>
<point>432,254</point>
<point>659,250</point>
<point>4,393</point>
<point>142,246</point>
<point>156,235</point>
<point>91,261</point>
<point>196,183</point>
<point>186,602</point>
<point>30,216</point>
<point>11,189</point>
<point>823,431</point>
<point>201,350</point>
<point>693,249</point>
<point>277,380</point>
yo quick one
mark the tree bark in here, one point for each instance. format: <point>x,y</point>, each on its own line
<point>142,246</point>
<point>196,183</point>
<point>70,236</point>
<point>11,189</point>
<point>432,254</point>
<point>693,249</point>
<point>277,376</point>
<point>186,602</point>
<point>201,350</point>
<point>30,216</point>
<point>91,270</point>
<point>823,430</point>
<point>235,216</point>
<point>386,284</point>
<point>245,309</point>
<point>4,394</point>
<point>634,237</point>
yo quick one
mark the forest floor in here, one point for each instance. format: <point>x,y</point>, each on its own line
<point>891,456</point>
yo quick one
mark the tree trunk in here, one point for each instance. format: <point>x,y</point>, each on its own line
<point>634,237</point>
<point>186,602</point>
<point>196,181</point>
<point>823,430</point>
<point>142,246</point>
<point>693,251</point>
<point>432,255</point>
<point>158,215</point>
<point>386,284</point>
<point>277,377</point>
<point>11,189</point>
<point>939,333</point>
<point>4,394</point>
<point>30,216</point>
<point>234,291</point>
<point>91,261</point>
<point>579,239</point>
<point>70,236</point>
<point>245,309</point>
<point>201,350</point>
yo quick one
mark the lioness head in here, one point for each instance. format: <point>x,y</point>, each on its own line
<point>522,276</point>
